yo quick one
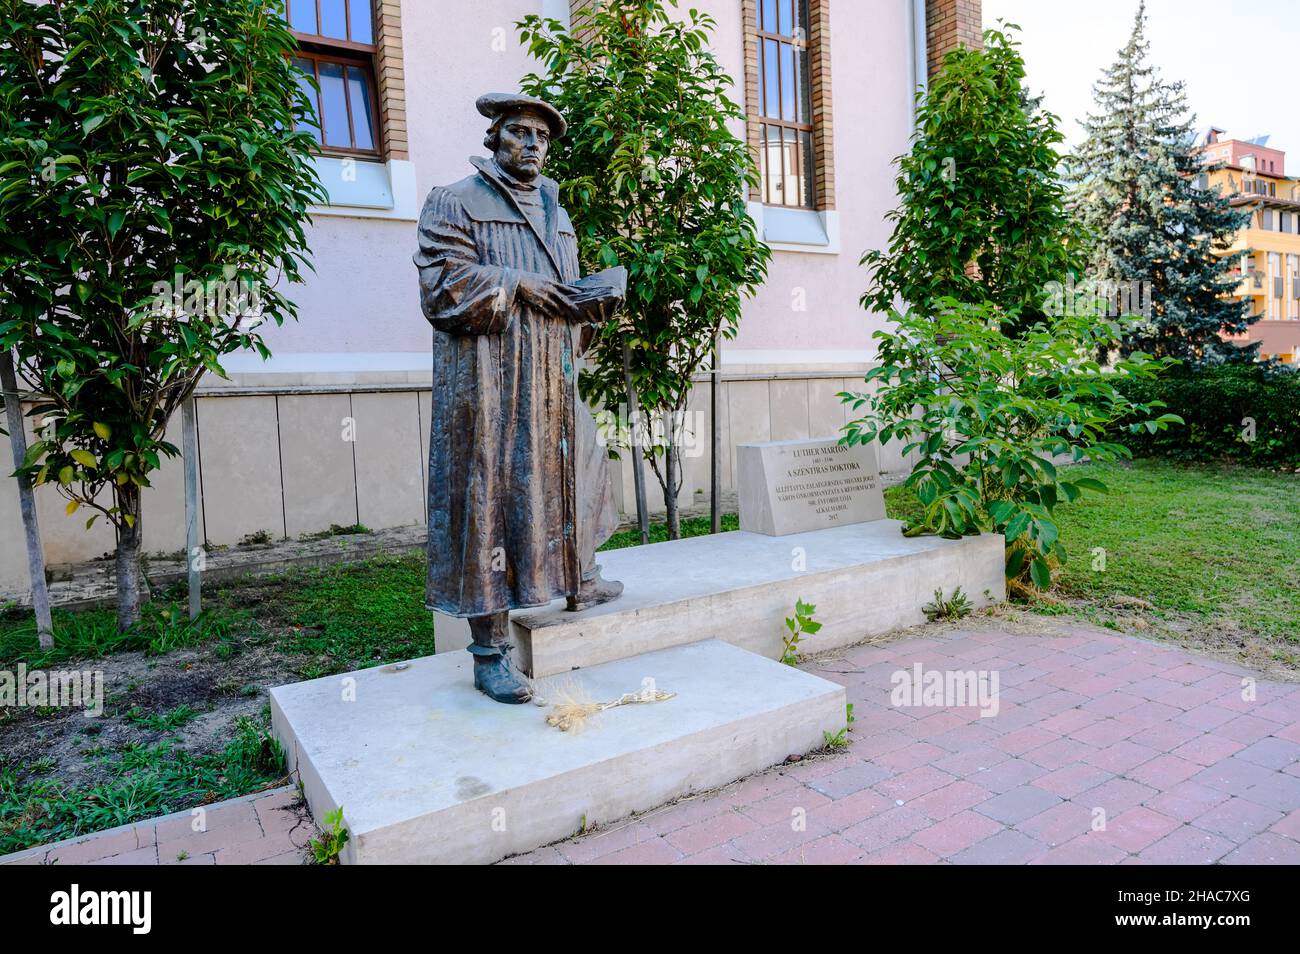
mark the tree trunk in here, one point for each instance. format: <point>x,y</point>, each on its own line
<point>635,447</point>
<point>715,439</point>
<point>672,482</point>
<point>128,557</point>
<point>27,503</point>
<point>193,554</point>
<point>671,486</point>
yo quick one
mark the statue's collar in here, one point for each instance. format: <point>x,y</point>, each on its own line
<point>548,189</point>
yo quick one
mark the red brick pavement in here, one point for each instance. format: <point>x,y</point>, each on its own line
<point>1105,749</point>
<point>269,828</point>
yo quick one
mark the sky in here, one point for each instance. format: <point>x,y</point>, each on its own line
<point>1238,60</point>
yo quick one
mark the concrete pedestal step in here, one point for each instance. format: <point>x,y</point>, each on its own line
<point>739,587</point>
<point>428,770</point>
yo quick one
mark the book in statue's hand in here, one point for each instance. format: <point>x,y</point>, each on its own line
<point>596,297</point>
<point>612,279</point>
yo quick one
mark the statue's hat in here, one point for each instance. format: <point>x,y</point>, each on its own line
<point>493,105</point>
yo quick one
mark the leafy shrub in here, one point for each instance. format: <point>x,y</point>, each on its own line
<point>1244,412</point>
<point>992,413</point>
<point>658,181</point>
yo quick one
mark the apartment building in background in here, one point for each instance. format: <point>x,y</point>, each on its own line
<point>333,429</point>
<point>1267,249</point>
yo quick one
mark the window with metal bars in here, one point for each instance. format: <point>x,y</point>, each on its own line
<point>784,108</point>
<point>337,50</point>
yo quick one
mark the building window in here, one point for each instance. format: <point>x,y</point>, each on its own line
<point>784,104</point>
<point>337,50</point>
<point>787,58</point>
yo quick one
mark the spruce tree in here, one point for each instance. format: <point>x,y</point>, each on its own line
<point>1149,220</point>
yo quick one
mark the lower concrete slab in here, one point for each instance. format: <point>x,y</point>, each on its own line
<point>865,579</point>
<point>428,770</point>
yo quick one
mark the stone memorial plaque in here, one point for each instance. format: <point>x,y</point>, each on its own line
<point>793,486</point>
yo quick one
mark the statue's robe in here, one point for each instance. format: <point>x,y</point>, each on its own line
<point>503,375</point>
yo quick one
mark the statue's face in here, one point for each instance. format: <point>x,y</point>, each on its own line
<point>522,144</point>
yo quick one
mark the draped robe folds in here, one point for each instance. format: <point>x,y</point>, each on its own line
<point>503,377</point>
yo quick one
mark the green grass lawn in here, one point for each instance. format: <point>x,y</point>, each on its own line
<point>1214,550</point>
<point>1204,555</point>
<point>185,721</point>
<point>1219,545</point>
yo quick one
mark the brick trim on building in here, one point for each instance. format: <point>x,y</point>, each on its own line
<point>819,64</point>
<point>579,18</point>
<point>949,24</point>
<point>749,24</point>
<point>819,68</point>
<point>390,78</point>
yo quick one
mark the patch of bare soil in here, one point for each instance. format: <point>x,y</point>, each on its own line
<point>142,694</point>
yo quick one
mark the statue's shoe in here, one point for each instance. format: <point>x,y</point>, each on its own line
<point>497,678</point>
<point>593,592</point>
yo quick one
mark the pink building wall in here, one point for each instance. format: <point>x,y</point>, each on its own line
<point>1268,161</point>
<point>362,297</point>
<point>272,458</point>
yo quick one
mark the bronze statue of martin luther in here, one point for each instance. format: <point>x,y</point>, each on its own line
<point>519,492</point>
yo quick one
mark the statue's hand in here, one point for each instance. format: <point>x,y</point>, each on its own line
<point>546,295</point>
<point>589,301</point>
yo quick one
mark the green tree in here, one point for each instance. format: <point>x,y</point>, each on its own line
<point>1152,226</point>
<point>656,182</point>
<point>153,191</point>
<point>983,213</point>
<point>980,375</point>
